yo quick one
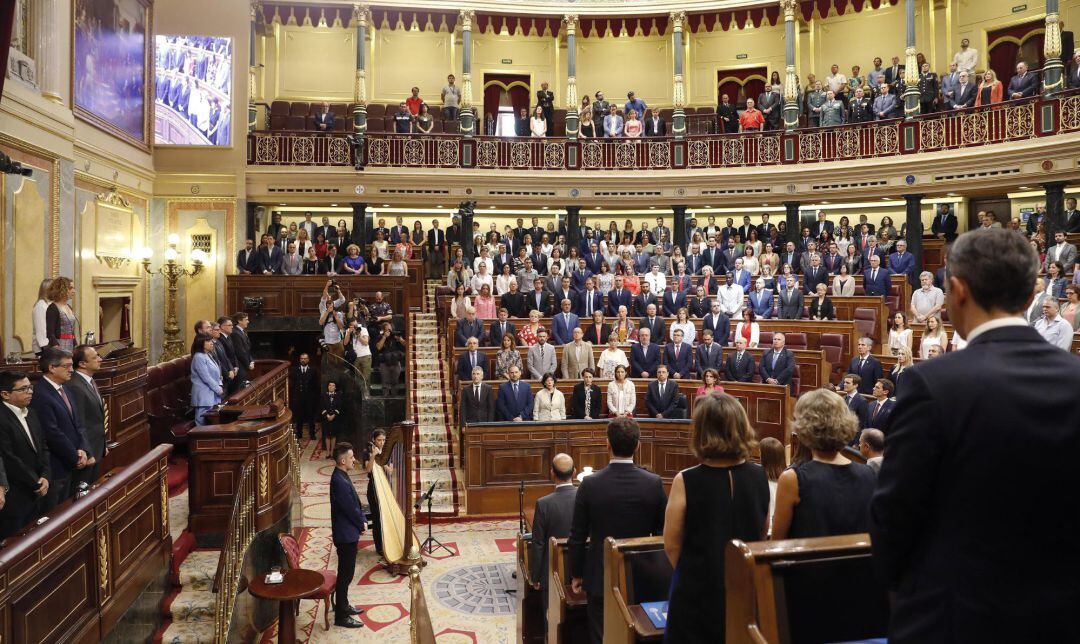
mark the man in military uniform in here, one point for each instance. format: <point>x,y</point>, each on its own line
<point>860,110</point>
<point>928,89</point>
<point>769,104</point>
<point>814,102</point>
<point>728,115</point>
<point>546,100</point>
<point>832,110</point>
<point>600,109</point>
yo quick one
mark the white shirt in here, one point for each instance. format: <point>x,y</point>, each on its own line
<point>997,323</point>
<point>1057,332</point>
<point>21,414</point>
<point>731,299</point>
<point>38,318</point>
<point>361,348</point>
<point>966,60</point>
<point>484,260</point>
<point>657,281</point>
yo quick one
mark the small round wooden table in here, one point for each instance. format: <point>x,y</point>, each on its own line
<point>298,583</point>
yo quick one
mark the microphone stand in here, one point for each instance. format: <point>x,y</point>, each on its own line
<point>431,543</point>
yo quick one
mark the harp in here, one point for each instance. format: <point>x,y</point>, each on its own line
<point>393,493</point>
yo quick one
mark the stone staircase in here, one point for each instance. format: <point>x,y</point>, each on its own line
<point>436,438</point>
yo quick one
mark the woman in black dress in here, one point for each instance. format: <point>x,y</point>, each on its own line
<point>331,411</point>
<point>724,498</point>
<point>829,494</point>
<point>368,462</point>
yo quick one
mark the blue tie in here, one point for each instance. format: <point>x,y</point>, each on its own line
<point>775,357</point>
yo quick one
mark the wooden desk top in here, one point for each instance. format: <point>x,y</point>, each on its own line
<point>298,583</point>
<point>643,626</point>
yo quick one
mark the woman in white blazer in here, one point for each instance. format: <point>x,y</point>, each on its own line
<point>843,284</point>
<point>549,403</point>
<point>621,395</point>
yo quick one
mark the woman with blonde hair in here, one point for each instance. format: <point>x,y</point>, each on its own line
<point>934,335</point>
<point>621,394</point>
<point>725,497</point>
<point>828,494</point>
<point>989,91</point>
<point>38,317</point>
<point>611,357</point>
<point>904,361</point>
<point>528,334</point>
<point>60,320</point>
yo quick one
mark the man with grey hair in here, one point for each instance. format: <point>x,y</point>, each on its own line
<point>1053,327</point>
<point>928,300</point>
<point>1024,84</point>
<point>769,104</point>
<point>832,110</point>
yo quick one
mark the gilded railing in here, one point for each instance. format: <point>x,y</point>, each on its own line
<point>238,537</point>
<point>971,127</point>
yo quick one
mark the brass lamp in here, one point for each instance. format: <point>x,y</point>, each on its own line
<point>173,269</point>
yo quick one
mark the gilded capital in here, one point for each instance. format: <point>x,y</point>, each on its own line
<point>255,6</point>
<point>360,15</point>
<point>1052,39</point>
<point>467,16</point>
<point>571,21</point>
<point>789,6</point>
<point>678,19</point>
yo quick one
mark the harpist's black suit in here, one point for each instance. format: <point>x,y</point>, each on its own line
<point>973,522</point>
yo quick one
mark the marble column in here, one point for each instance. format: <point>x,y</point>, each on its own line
<point>360,17</point>
<point>792,218</point>
<point>48,23</point>
<point>467,115</point>
<point>913,219</point>
<point>361,224</point>
<point>911,64</point>
<point>678,118</point>
<point>678,226</point>
<point>573,226</point>
<point>253,113</point>
<point>573,125</point>
<point>791,83</point>
<point>1055,207</point>
<point>1054,69</point>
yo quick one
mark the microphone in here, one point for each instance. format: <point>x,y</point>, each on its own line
<point>426,495</point>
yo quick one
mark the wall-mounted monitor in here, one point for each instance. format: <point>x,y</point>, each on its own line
<point>193,90</point>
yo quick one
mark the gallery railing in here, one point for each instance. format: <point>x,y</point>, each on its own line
<point>972,127</point>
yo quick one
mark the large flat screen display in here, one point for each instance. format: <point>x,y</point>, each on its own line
<point>193,90</point>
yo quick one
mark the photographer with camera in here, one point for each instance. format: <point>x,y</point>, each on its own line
<point>332,320</point>
<point>358,349</point>
<point>390,349</point>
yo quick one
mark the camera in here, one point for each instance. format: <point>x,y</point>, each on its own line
<point>7,166</point>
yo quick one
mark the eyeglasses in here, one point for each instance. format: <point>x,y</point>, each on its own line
<point>24,388</point>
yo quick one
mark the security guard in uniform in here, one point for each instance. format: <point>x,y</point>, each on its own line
<point>860,108</point>
<point>929,85</point>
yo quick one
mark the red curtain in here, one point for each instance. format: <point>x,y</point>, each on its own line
<point>1009,46</point>
<point>516,84</point>
<point>740,84</point>
<point>7,24</point>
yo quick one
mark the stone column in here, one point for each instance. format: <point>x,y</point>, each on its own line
<point>48,23</point>
<point>250,229</point>
<point>360,17</point>
<point>361,224</point>
<point>1054,69</point>
<point>1055,207</point>
<point>465,214</point>
<point>678,118</point>
<point>678,226</point>
<point>911,64</point>
<point>467,115</point>
<point>913,219</point>
<point>573,226</point>
<point>572,122</point>
<point>253,113</point>
<point>791,83</point>
<point>794,228</point>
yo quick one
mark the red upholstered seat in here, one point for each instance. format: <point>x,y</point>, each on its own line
<point>291,548</point>
<point>866,322</point>
<point>833,345</point>
<point>299,108</point>
<point>795,340</point>
<point>376,111</point>
<point>765,339</point>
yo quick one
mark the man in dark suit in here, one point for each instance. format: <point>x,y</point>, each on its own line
<point>618,296</point>
<point>584,406</point>
<point>224,356</point>
<point>470,327</point>
<point>673,301</point>
<point>642,301</point>
<point>24,456</point>
<point>644,356</point>
<point>346,525</point>
<point>563,323</point>
<point>740,364</point>
<point>1074,71</point>
<point>778,365</point>
<point>619,501</point>
<point>791,300</point>
<point>968,477</point>
<point>865,366</point>
<point>713,257</point>
<point>654,323</point>
<point>877,412</point>
<point>268,261</point>
<point>964,95</point>
<point>241,344</point>
<point>717,322</point>
<point>662,397</point>
<point>514,302</point>
<point>679,356</point>
<point>822,226</point>
<point>709,355</point>
<point>247,259</point>
<point>471,359</point>
<point>436,249</point>
<point>324,120</point>
<point>876,280</point>
<point>499,328</point>
<point>815,274</point>
<point>894,76</point>
<point>551,518</point>
<point>515,398</point>
<point>589,300</point>
<point>790,256</point>
<point>539,299</point>
<point>90,407</point>
<point>1024,84</point>
<point>54,405</point>
<point>654,124</point>
<point>855,402</point>
<point>944,226</point>
<point>303,396</point>
<point>1072,216</point>
<point>477,398</point>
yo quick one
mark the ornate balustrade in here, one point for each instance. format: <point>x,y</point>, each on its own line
<point>1003,122</point>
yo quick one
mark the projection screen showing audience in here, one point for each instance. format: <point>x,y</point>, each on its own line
<point>193,90</point>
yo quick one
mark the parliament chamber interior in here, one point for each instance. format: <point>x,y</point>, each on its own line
<point>539,321</point>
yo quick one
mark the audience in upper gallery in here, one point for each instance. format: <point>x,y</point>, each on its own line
<point>724,497</point>
<point>828,494</point>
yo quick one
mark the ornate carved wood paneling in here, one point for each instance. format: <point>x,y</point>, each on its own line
<point>298,295</point>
